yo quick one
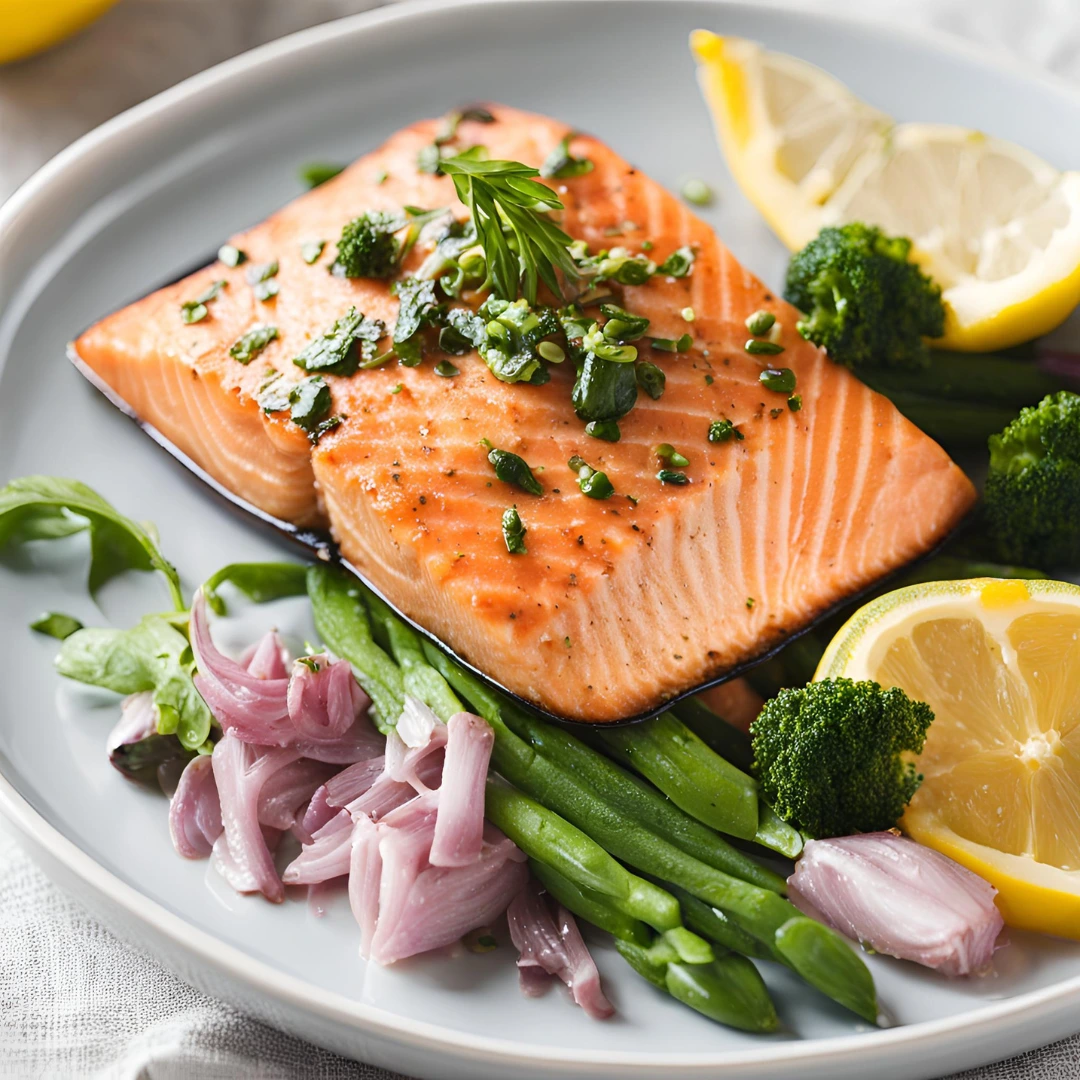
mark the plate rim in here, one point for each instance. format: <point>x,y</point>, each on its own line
<point>1005,1016</point>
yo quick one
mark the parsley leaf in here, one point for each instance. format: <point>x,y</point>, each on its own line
<point>252,343</point>
<point>315,173</point>
<point>335,352</point>
<point>561,165</point>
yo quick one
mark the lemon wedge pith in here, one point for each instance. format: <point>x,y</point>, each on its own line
<point>999,663</point>
<point>996,226</point>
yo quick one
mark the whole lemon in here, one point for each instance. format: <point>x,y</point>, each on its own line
<point>28,26</point>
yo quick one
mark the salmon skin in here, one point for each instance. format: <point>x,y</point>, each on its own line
<point>618,605</point>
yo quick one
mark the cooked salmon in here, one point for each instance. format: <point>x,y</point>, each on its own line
<point>617,604</point>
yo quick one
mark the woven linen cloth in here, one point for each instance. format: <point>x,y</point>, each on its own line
<point>74,1000</point>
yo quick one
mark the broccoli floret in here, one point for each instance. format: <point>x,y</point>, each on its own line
<point>865,302</point>
<point>1033,487</point>
<point>828,755</point>
<point>368,247</point>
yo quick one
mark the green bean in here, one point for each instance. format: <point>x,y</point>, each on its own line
<point>589,905</point>
<point>827,961</point>
<point>637,799</point>
<point>718,926</point>
<point>775,833</point>
<point>420,679</point>
<point>729,990</point>
<point>343,624</point>
<point>727,740</point>
<point>695,778</point>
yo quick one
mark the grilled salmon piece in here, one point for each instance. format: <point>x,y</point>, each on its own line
<point>618,604</point>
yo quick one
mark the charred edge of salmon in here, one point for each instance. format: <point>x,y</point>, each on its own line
<point>322,546</point>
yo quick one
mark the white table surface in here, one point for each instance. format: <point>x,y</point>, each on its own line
<point>74,1001</point>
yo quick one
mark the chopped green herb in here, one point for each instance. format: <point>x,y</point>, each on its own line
<point>315,173</point>
<point>697,192</point>
<point>677,345</point>
<point>679,263</point>
<point>396,389</point>
<point>513,530</point>
<point>794,403</point>
<point>498,192</point>
<point>597,343</point>
<point>750,601</point>
<point>446,369</point>
<point>759,347</point>
<point>551,352</point>
<point>309,662</point>
<point>667,452</point>
<point>709,380</point>
<point>651,379</point>
<point>621,325</point>
<point>56,625</point>
<point>508,337</point>
<point>761,322</point>
<point>309,402</point>
<point>193,311</point>
<point>647,245</point>
<point>261,272</point>
<point>603,389</point>
<point>231,256</point>
<point>594,484</point>
<point>721,431</point>
<point>566,641</point>
<point>340,349</point>
<point>273,395</point>
<point>608,430</point>
<point>669,476</point>
<point>252,343</point>
<point>429,159</point>
<point>381,177</point>
<point>688,314</point>
<point>312,250</point>
<point>774,413</point>
<point>418,307</point>
<point>779,380</point>
<point>511,469</point>
<point>561,165</point>
<point>266,290</point>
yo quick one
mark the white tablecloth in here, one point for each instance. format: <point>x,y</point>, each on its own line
<point>74,1001</point>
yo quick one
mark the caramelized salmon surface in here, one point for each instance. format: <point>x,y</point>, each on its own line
<point>617,604</point>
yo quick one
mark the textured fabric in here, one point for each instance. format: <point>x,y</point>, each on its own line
<point>74,1001</point>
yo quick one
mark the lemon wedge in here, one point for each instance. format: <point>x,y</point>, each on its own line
<point>29,26</point>
<point>999,663</point>
<point>997,227</point>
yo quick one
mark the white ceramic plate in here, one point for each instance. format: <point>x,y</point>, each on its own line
<point>143,197</point>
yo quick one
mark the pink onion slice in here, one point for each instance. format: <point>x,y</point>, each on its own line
<point>267,659</point>
<point>352,782</point>
<point>459,825</point>
<point>195,810</point>
<point>138,719</point>
<point>324,699</point>
<point>554,945</point>
<point>241,852</point>
<point>365,878</point>
<point>901,899</point>
<point>284,793</point>
<point>254,709</point>
<point>326,857</point>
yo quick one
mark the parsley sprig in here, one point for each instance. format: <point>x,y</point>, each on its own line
<point>509,209</point>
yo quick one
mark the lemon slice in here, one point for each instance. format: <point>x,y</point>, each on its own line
<point>997,227</point>
<point>999,663</point>
<point>789,130</point>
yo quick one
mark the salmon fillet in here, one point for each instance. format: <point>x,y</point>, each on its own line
<point>618,604</point>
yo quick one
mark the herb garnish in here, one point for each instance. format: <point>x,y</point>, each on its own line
<point>591,482</point>
<point>721,431</point>
<point>794,403</point>
<point>508,337</point>
<point>511,469</point>
<point>669,476</point>
<point>679,263</point>
<point>336,352</point>
<point>273,394</point>
<point>193,311</point>
<point>231,256</point>
<point>621,325</point>
<point>763,347</point>
<point>252,343</point>
<point>261,279</point>
<point>651,379</point>
<point>676,345</point>
<point>513,530</point>
<point>429,158</point>
<point>504,193</point>
<point>446,369</point>
<point>309,403</point>
<point>57,625</point>
<point>760,323</point>
<point>315,173</point>
<point>608,430</point>
<point>697,192</point>
<point>418,308</point>
<point>667,452</point>
<point>561,165</point>
<point>369,246</point>
<point>779,380</point>
<point>312,251</point>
